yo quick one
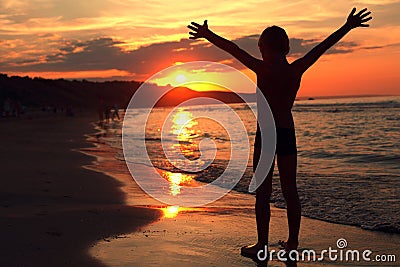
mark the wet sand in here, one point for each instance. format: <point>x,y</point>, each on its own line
<point>213,235</point>
<point>52,209</point>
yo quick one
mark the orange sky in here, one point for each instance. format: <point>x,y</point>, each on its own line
<point>131,39</point>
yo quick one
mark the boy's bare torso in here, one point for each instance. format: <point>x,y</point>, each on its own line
<point>279,84</point>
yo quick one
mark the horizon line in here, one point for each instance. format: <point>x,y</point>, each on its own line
<point>210,91</point>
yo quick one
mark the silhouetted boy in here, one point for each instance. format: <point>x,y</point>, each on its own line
<point>279,81</point>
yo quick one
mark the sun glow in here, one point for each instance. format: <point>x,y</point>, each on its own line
<point>179,178</point>
<point>183,124</point>
<point>176,181</point>
<point>180,78</point>
<point>197,79</point>
<point>170,211</point>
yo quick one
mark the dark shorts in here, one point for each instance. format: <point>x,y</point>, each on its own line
<point>285,141</point>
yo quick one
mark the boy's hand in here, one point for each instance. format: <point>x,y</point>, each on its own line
<point>359,19</point>
<point>199,31</point>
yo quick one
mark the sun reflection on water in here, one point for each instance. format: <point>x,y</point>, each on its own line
<point>176,181</point>
<point>170,211</point>
<point>183,125</point>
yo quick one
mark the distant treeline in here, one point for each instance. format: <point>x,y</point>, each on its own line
<point>39,92</point>
<point>61,93</point>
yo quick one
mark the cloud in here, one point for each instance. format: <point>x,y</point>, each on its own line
<point>52,35</point>
<point>105,53</point>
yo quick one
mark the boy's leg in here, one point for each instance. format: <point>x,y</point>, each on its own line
<point>263,195</point>
<point>262,208</point>
<point>287,165</point>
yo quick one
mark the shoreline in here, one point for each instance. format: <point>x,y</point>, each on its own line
<point>52,208</point>
<point>213,235</point>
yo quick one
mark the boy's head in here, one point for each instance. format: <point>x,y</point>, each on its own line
<point>274,40</point>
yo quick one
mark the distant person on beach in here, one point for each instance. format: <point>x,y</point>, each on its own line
<point>115,112</point>
<point>279,81</point>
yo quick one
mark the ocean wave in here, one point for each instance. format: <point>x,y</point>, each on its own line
<point>386,103</point>
<point>334,198</point>
<point>368,158</point>
<point>345,107</point>
<point>348,165</point>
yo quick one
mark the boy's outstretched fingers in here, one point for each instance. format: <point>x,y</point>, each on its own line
<point>198,31</point>
<point>352,12</point>
<point>361,11</point>
<point>195,28</point>
<point>192,28</point>
<point>195,24</point>
<point>365,15</point>
<point>359,19</point>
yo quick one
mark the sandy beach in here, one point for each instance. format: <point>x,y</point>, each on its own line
<point>52,209</point>
<point>67,202</point>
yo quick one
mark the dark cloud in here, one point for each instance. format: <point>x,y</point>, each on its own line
<point>380,46</point>
<point>105,53</point>
<point>299,47</point>
<point>24,62</point>
<point>95,54</point>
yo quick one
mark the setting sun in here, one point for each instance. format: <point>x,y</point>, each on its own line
<point>197,79</point>
<point>180,78</point>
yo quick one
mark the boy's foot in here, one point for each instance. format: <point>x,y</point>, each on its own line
<point>252,252</point>
<point>287,246</point>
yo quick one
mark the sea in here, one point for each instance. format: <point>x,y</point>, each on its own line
<point>348,153</point>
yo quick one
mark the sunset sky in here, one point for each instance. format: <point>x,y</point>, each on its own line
<point>131,40</point>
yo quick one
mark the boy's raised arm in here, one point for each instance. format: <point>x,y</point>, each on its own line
<point>202,31</point>
<point>353,21</point>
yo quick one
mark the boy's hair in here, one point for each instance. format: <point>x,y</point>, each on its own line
<point>274,39</point>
